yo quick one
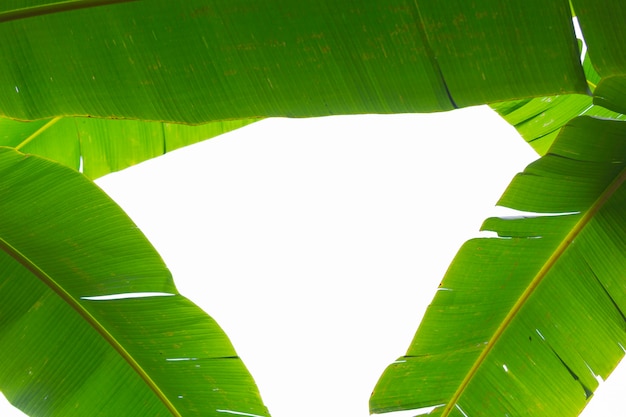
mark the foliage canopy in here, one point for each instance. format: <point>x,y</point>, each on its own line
<point>92,86</point>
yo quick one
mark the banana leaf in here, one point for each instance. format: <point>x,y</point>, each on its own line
<point>90,318</point>
<point>525,323</point>
<point>539,120</point>
<point>197,61</point>
<point>140,60</point>
<point>606,42</point>
<point>97,147</point>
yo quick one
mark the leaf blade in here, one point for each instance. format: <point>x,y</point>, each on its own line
<point>140,60</point>
<point>527,348</point>
<point>98,147</point>
<point>72,244</point>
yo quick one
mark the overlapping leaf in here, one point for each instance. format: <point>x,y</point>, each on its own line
<point>64,245</point>
<point>523,323</point>
<point>605,38</point>
<point>538,120</point>
<point>97,146</point>
<point>197,61</point>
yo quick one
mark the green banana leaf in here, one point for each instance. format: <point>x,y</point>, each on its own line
<point>200,61</point>
<point>98,146</point>
<point>539,120</point>
<point>71,351</point>
<point>139,60</point>
<point>397,57</point>
<point>523,324</point>
<point>605,39</point>
<point>196,61</point>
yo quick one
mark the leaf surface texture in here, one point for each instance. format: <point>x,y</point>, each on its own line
<point>198,61</point>
<point>65,246</point>
<point>524,322</point>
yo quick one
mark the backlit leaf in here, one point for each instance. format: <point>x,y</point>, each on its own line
<point>65,246</point>
<point>523,323</point>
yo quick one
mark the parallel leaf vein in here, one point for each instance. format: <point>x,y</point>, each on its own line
<point>89,318</point>
<point>547,266</point>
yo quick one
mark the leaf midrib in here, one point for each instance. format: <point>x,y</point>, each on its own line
<point>89,318</point>
<point>37,133</point>
<point>547,266</point>
<point>62,6</point>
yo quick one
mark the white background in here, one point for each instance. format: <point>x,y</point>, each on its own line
<point>317,244</point>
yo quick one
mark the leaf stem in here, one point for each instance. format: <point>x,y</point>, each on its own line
<point>592,85</point>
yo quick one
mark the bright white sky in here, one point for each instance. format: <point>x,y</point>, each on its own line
<point>317,244</point>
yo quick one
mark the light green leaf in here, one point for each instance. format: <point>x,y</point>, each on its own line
<point>72,352</point>
<point>523,323</point>
<point>197,61</point>
<point>98,146</point>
